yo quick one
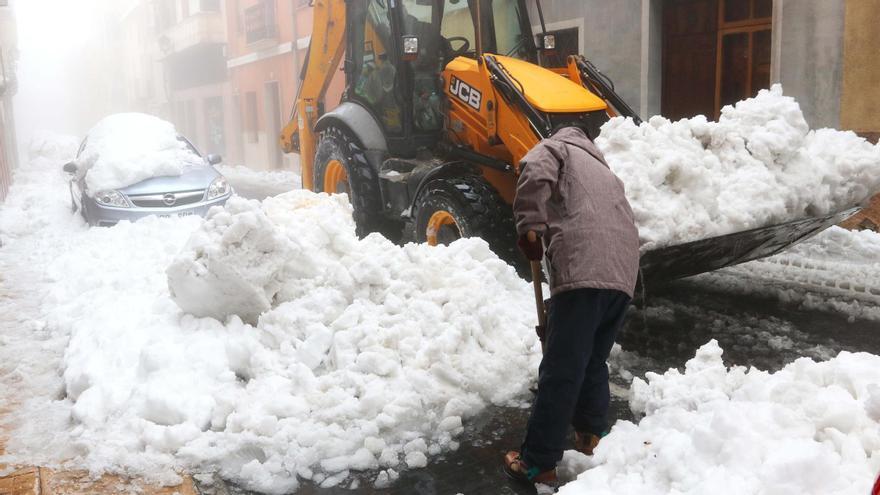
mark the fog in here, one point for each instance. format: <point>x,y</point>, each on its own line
<point>216,75</point>
<point>64,55</point>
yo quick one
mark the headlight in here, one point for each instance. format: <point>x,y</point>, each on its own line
<point>111,198</point>
<point>218,188</point>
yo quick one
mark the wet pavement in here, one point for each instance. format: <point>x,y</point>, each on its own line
<point>663,332</point>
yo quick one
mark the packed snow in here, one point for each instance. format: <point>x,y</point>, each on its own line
<point>126,148</point>
<point>259,184</point>
<point>370,358</point>
<point>838,270</point>
<point>47,145</point>
<point>810,428</point>
<point>758,165</point>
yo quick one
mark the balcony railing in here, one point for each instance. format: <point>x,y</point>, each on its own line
<point>260,23</point>
<point>204,28</point>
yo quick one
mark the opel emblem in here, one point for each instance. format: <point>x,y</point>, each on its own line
<point>169,199</point>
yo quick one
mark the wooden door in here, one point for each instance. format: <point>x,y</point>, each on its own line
<point>744,36</point>
<point>690,41</point>
<point>715,52</point>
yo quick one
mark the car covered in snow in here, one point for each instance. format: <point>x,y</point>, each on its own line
<point>133,165</point>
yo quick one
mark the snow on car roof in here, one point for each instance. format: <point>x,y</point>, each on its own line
<point>126,148</point>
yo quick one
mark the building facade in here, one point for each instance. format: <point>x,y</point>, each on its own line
<point>268,41</point>
<point>8,87</point>
<point>681,58</point>
<point>191,39</point>
<point>141,60</point>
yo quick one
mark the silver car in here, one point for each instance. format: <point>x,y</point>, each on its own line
<point>193,192</point>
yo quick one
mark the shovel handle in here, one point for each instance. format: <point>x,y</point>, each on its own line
<point>536,283</point>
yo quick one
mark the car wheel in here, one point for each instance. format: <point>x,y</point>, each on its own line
<point>84,210</point>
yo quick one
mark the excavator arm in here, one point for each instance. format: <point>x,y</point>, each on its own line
<point>325,53</point>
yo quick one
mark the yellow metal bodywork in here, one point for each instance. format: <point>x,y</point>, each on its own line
<point>333,176</point>
<point>438,220</point>
<point>325,53</point>
<point>548,92</point>
<point>496,129</point>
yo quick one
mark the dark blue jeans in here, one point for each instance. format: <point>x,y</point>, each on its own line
<point>573,377</point>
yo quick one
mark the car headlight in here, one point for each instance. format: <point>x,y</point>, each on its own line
<point>220,187</point>
<point>111,198</point>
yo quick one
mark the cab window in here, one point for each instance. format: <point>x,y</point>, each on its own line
<point>374,78</point>
<point>458,23</point>
<point>509,38</point>
<point>418,20</point>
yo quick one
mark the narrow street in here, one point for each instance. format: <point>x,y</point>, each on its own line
<point>304,247</point>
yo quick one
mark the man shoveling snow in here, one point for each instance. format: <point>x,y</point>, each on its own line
<point>571,199</point>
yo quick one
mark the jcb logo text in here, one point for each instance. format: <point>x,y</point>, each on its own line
<point>464,92</point>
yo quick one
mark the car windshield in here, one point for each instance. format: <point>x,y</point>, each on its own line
<point>188,144</point>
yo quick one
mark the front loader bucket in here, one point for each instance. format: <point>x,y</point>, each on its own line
<point>705,255</point>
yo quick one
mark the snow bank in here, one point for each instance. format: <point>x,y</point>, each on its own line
<point>52,146</point>
<point>810,428</point>
<point>126,148</point>
<point>759,164</point>
<point>370,357</point>
<point>39,197</point>
<point>258,184</point>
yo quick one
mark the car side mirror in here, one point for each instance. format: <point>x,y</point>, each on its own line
<point>70,168</point>
<point>214,159</point>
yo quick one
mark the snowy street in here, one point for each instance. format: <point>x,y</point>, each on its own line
<point>102,371</point>
<point>439,247</point>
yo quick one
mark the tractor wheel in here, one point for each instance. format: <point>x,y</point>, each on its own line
<point>449,209</point>
<point>341,167</point>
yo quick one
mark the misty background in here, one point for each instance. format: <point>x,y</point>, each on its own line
<point>68,77</point>
<point>223,71</point>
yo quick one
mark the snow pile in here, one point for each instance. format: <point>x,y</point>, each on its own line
<point>258,184</point>
<point>39,197</point>
<point>810,428</point>
<point>126,148</point>
<point>370,358</point>
<point>759,164</point>
<point>234,265</point>
<point>52,146</point>
<point>838,270</point>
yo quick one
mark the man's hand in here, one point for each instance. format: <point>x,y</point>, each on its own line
<point>531,246</point>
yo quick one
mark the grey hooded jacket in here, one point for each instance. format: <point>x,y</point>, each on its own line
<point>568,195</point>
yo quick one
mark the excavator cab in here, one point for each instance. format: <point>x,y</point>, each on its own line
<point>398,50</point>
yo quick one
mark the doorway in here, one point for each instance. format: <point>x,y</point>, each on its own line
<point>715,53</point>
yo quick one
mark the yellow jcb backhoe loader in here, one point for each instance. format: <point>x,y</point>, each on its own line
<point>442,100</point>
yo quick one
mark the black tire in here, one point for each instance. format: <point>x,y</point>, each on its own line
<point>363,182</point>
<point>84,211</point>
<point>477,209</point>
